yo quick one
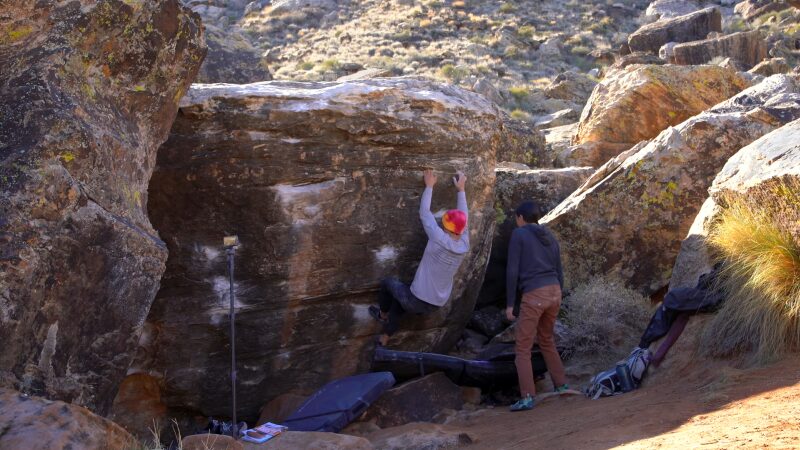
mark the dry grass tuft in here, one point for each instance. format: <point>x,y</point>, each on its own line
<point>757,235</point>
<point>604,321</point>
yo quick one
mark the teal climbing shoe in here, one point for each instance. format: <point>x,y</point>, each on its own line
<point>524,404</point>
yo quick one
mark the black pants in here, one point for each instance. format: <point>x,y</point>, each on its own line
<point>395,299</point>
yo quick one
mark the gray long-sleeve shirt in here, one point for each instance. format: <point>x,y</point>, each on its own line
<point>433,282</point>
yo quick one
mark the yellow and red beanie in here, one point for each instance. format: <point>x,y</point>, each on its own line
<point>454,221</point>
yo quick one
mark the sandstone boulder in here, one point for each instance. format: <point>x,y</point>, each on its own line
<point>296,440</point>
<point>513,186</point>
<point>231,59</point>
<point>280,408</point>
<point>670,9</point>
<point>637,58</point>
<point>421,436</point>
<point>558,140</point>
<point>418,400</point>
<point>321,182</point>
<point>630,223</point>
<point>33,423</point>
<point>748,48</point>
<point>88,93</point>
<point>571,86</point>
<point>637,103</point>
<point>752,169</point>
<point>138,406</point>
<point>521,143</point>
<point>770,67</point>
<point>690,27</point>
<point>210,442</point>
<point>752,9</point>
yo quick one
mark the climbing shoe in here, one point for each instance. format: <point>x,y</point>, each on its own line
<point>524,404</point>
<point>562,389</point>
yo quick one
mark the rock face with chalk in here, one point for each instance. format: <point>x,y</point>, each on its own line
<point>321,182</point>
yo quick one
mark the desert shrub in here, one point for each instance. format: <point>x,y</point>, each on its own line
<point>507,8</point>
<point>519,114</point>
<point>758,236</point>
<point>580,50</point>
<point>328,65</point>
<point>526,31</point>
<point>305,65</point>
<point>454,73</point>
<point>735,25</point>
<point>519,92</point>
<point>604,320</point>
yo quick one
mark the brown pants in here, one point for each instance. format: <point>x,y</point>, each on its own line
<point>537,317</point>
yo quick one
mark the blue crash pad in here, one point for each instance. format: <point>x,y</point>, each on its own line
<point>339,402</point>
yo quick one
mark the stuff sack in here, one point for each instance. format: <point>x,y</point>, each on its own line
<point>611,382</point>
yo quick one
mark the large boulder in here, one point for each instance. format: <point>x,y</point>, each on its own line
<point>748,48</point>
<point>752,9</point>
<point>421,436</point>
<point>33,423</point>
<point>231,59</point>
<point>88,93</point>
<point>321,182</point>
<point>523,144</point>
<point>295,440</point>
<point>513,186</point>
<point>751,170</point>
<point>418,400</point>
<point>670,9</point>
<point>630,223</point>
<point>690,27</point>
<point>637,103</point>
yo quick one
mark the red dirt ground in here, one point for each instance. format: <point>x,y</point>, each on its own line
<point>691,402</point>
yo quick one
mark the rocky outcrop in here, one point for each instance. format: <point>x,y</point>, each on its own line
<point>630,223</point>
<point>637,103</point>
<point>418,400</point>
<point>88,93</point>
<point>513,186</point>
<point>138,407</point>
<point>210,442</point>
<point>33,423</point>
<point>769,67</point>
<point>421,436</point>
<point>690,27</point>
<point>752,9</point>
<point>670,9</point>
<point>321,182</point>
<point>771,160</point>
<point>571,86</point>
<point>294,440</point>
<point>748,48</point>
<point>524,144</point>
<point>637,58</point>
<point>231,59</point>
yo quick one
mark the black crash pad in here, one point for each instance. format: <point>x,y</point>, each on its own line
<point>339,402</point>
<point>496,371</point>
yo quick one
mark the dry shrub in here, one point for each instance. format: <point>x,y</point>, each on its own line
<point>604,322</point>
<point>757,235</point>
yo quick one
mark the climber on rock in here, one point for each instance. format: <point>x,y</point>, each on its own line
<point>433,281</point>
<point>534,269</point>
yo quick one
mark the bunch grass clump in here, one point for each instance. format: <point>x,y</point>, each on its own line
<point>758,237</point>
<point>605,319</point>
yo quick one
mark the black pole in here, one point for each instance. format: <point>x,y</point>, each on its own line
<point>234,432</point>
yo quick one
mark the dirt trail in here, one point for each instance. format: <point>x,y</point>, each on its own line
<point>718,409</point>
